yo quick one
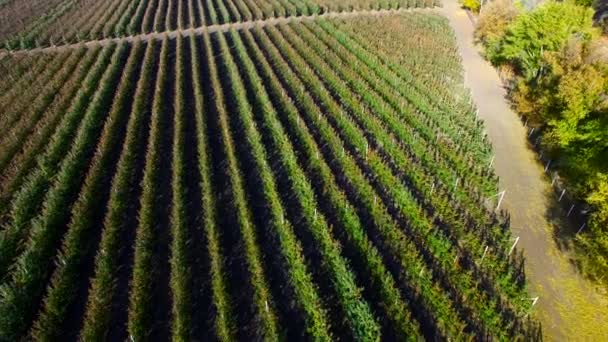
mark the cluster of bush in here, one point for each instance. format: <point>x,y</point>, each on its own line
<point>554,59</point>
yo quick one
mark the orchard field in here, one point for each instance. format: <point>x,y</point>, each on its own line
<point>57,22</point>
<point>323,179</point>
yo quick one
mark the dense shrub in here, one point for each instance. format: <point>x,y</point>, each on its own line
<point>494,20</point>
<point>547,28</point>
<point>473,5</point>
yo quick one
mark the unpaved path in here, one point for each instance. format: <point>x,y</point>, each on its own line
<point>222,28</point>
<point>570,307</point>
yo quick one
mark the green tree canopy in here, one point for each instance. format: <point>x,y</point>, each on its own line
<point>546,28</point>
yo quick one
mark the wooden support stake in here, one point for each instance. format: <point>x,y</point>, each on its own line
<point>502,195</point>
<point>534,300</point>
<point>570,211</point>
<point>484,254</point>
<point>561,196</point>
<point>582,227</point>
<point>514,244</point>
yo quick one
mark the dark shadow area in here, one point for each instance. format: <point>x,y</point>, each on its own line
<point>199,259</point>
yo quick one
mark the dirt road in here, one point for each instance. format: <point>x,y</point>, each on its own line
<point>570,307</point>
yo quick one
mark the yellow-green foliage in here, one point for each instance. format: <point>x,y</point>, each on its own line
<point>494,20</point>
<point>473,5</point>
<point>596,243</point>
<point>563,77</point>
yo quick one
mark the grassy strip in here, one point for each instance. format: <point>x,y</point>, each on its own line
<point>191,16</point>
<point>262,300</point>
<point>29,198</point>
<point>102,290</point>
<point>27,279</point>
<point>300,278</point>
<point>180,15</point>
<point>224,17</point>
<point>169,20</point>
<point>160,16</point>
<point>235,15</point>
<point>223,320</point>
<point>145,269</point>
<point>131,24</point>
<point>200,9</point>
<point>181,280</point>
<point>212,13</point>
<point>78,241</point>
<point>147,24</point>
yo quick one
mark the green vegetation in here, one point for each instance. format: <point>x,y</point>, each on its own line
<point>559,79</point>
<point>70,21</point>
<point>472,5</point>
<point>324,179</point>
